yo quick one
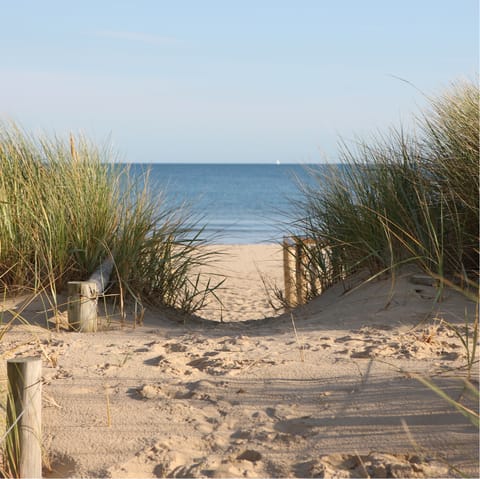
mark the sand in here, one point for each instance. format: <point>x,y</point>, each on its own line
<point>336,396</point>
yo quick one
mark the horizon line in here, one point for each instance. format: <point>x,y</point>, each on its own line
<point>222,163</point>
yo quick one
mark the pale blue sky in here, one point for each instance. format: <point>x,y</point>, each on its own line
<point>229,81</point>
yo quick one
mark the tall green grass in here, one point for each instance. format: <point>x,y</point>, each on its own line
<point>402,198</point>
<point>66,205</point>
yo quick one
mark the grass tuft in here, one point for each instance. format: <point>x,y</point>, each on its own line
<point>401,198</point>
<point>65,205</point>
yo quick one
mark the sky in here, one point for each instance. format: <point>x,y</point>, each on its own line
<point>233,81</point>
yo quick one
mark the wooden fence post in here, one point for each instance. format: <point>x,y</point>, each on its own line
<point>83,296</point>
<point>82,306</point>
<point>24,417</point>
<point>287,273</point>
<point>299,274</point>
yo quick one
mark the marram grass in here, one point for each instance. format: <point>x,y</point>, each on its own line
<point>402,198</point>
<point>66,205</point>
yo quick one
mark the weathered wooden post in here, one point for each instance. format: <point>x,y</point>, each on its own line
<point>287,273</point>
<point>82,306</point>
<point>24,417</point>
<point>299,275</point>
<point>83,298</point>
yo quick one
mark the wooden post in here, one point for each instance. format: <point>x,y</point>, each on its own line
<point>287,273</point>
<point>82,306</point>
<point>83,296</point>
<point>24,420</point>
<point>299,276</point>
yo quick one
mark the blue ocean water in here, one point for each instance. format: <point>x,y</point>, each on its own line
<point>238,203</point>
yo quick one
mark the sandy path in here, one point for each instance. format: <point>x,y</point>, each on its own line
<point>251,398</point>
<point>250,272</point>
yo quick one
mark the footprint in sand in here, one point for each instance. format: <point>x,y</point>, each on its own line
<point>175,347</point>
<point>364,353</point>
<point>151,391</point>
<point>160,460</point>
<point>299,426</point>
<point>57,373</point>
<point>232,467</point>
<point>242,436</point>
<point>372,465</point>
<point>165,365</point>
<point>219,366</point>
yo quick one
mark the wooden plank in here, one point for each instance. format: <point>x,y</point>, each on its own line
<point>24,417</point>
<point>101,276</point>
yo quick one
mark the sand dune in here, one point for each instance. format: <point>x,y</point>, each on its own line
<point>250,397</point>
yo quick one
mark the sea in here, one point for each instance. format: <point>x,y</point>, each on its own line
<point>234,203</point>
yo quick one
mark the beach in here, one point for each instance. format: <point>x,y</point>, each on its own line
<point>240,240</point>
<point>328,389</point>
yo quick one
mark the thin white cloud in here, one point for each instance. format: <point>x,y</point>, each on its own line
<point>140,37</point>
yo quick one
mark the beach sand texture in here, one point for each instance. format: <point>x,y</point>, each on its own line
<point>252,397</point>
